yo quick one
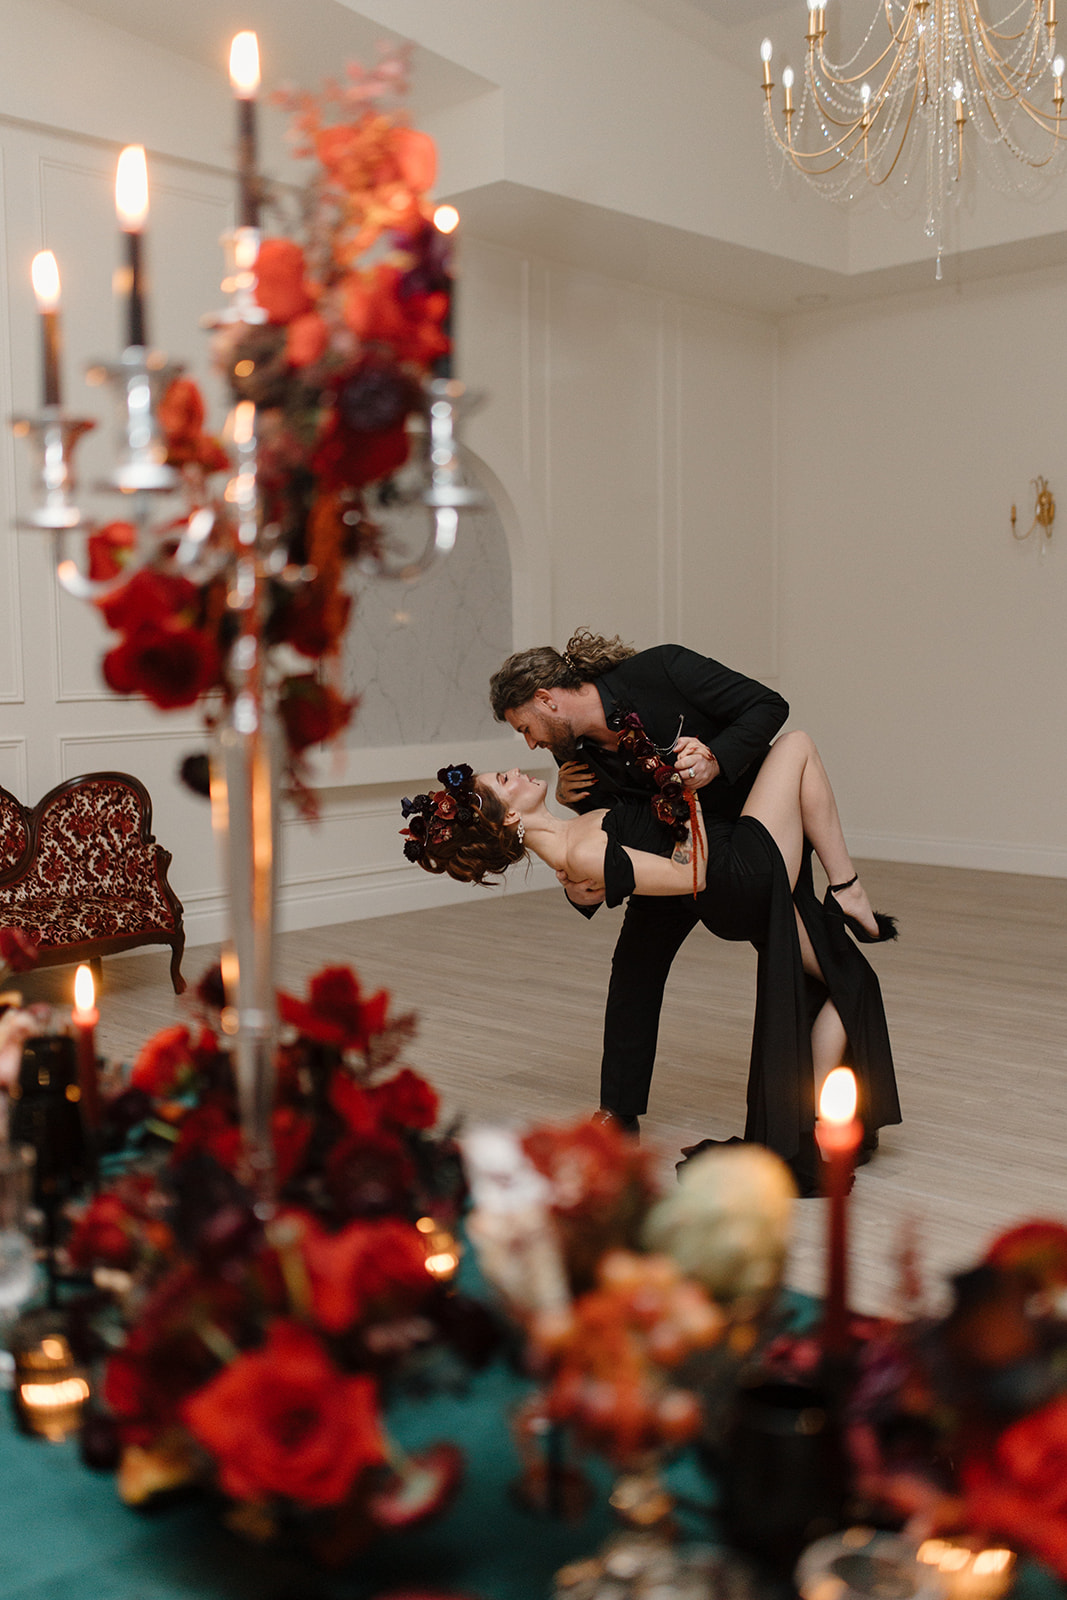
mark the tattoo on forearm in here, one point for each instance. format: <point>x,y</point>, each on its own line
<point>682,853</point>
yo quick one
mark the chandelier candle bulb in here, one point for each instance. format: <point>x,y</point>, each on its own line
<point>766,50</point>
<point>244,80</point>
<point>838,1133</point>
<point>45,276</point>
<point>787,85</point>
<point>85,1016</point>
<point>131,203</point>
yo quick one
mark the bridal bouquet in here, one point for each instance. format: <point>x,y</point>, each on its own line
<point>257,1352</point>
<point>333,344</point>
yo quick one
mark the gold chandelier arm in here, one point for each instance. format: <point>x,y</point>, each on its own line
<point>1049,122</point>
<point>898,39</point>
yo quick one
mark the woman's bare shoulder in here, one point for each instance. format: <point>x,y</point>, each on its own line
<point>586,844</point>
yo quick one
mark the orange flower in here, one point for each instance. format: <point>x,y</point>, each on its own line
<point>416,157</point>
<point>309,336</point>
<point>280,286</point>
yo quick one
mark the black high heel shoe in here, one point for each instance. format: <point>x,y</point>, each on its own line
<point>887,926</point>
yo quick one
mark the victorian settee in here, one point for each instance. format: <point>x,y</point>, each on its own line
<point>81,873</point>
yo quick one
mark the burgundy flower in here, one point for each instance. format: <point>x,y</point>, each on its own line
<point>312,712</point>
<point>335,1011</point>
<point>284,1420</point>
<point>407,1100</point>
<point>162,1060</point>
<point>171,666</point>
<point>350,458</point>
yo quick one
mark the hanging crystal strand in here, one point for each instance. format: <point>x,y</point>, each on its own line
<point>244,808</point>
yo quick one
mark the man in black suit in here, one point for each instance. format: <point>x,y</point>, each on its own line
<point>718,725</point>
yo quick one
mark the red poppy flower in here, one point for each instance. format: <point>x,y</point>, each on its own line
<point>280,286</point>
<point>18,951</point>
<point>312,712</point>
<point>161,1060</point>
<point>407,1100</point>
<point>284,1420</point>
<point>171,666</point>
<point>382,1260</point>
<point>335,1011</point>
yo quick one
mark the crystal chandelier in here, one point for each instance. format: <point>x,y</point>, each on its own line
<point>929,78</point>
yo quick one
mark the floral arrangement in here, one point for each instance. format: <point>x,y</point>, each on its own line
<point>957,1425</point>
<point>343,326</point>
<point>616,1338</point>
<point>254,1348</point>
<point>432,817</point>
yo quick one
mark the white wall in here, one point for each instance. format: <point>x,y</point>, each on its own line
<point>923,647</point>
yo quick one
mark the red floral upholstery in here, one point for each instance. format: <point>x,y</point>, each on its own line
<point>92,880</point>
<point>14,834</point>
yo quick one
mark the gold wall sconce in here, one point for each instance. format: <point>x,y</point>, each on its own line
<point>1044,513</point>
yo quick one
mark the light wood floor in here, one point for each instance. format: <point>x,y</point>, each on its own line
<point>509,992</point>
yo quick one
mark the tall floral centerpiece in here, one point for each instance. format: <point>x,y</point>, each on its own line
<point>329,348</point>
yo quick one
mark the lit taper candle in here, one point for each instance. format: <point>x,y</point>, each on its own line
<point>131,203</point>
<point>85,1017</point>
<point>838,1133</point>
<point>446,221</point>
<point>45,275</point>
<point>244,80</point>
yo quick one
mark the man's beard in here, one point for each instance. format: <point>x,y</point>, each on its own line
<point>561,739</point>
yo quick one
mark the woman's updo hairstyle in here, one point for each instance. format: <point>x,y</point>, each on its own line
<point>460,829</point>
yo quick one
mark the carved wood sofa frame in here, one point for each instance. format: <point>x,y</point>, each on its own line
<point>81,873</point>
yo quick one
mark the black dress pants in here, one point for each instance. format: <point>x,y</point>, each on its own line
<point>654,928</point>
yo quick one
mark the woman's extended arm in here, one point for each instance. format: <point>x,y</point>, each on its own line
<point>653,875</point>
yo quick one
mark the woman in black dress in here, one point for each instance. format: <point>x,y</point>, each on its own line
<point>818,1002</point>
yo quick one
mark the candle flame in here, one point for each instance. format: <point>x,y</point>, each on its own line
<point>84,991</point>
<point>45,276</point>
<point>49,1396</point>
<point>837,1102</point>
<point>446,219</point>
<point>244,422</point>
<point>244,65</point>
<point>131,188</point>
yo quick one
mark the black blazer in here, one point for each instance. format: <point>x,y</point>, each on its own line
<point>675,691</point>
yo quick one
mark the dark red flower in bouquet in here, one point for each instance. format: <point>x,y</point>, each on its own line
<point>407,1100</point>
<point>162,1060</point>
<point>116,1225</point>
<point>151,598</point>
<point>348,457</point>
<point>336,1011</point>
<point>284,1420</point>
<point>311,712</point>
<point>312,619</point>
<point>380,1262</point>
<point>1020,1494</point>
<point>291,1132</point>
<point>18,951</point>
<point>171,666</point>
<point>281,288</point>
<point>181,418</point>
<point>109,548</point>
<point>210,1127</point>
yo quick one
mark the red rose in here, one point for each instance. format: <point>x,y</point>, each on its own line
<point>18,951</point>
<point>382,1260</point>
<point>348,457</point>
<point>406,1100</point>
<point>280,286</point>
<point>1021,1494</point>
<point>312,712</point>
<point>335,1011</point>
<point>181,417</point>
<point>109,547</point>
<point>171,666</point>
<point>150,597</point>
<point>284,1420</point>
<point>161,1061</point>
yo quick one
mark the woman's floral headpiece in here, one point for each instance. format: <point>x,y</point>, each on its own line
<point>431,818</point>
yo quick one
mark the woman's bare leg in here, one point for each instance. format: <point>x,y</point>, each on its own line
<point>793,799</point>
